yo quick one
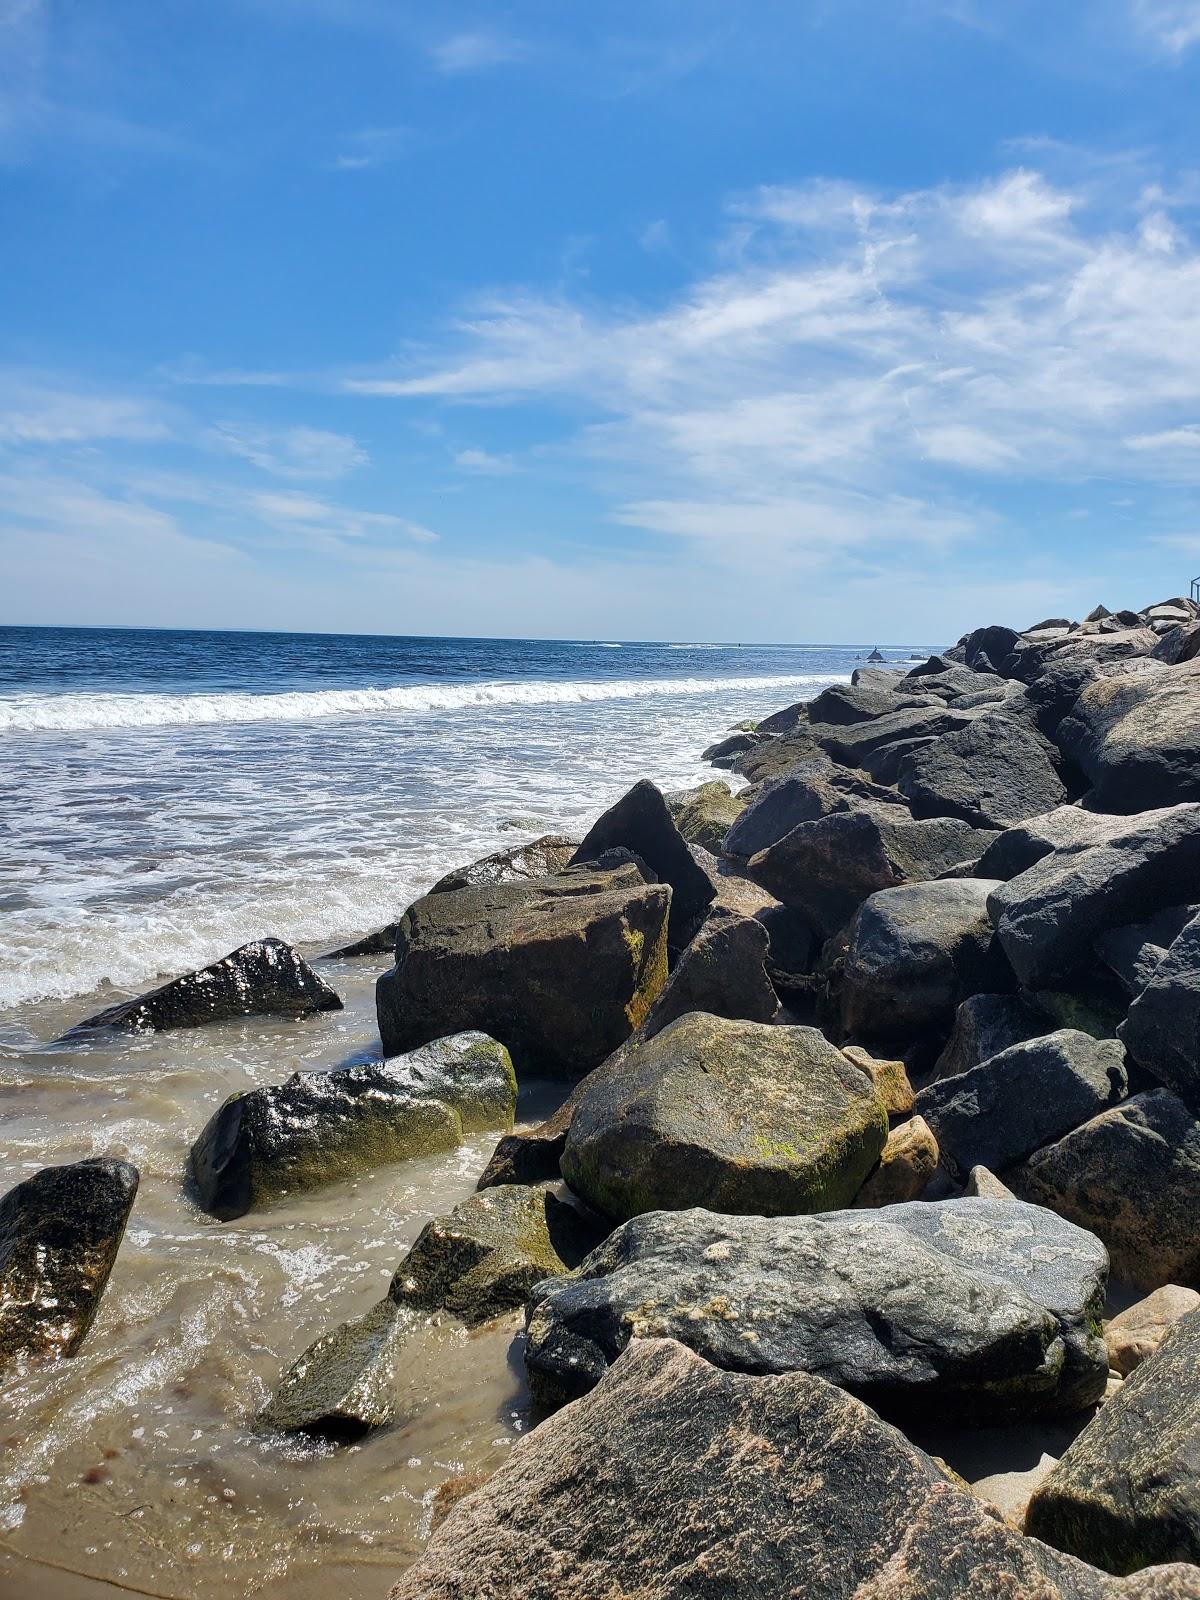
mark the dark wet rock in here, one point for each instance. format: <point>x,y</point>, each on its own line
<point>1133,954</point>
<point>991,774</point>
<point>813,790</point>
<point>641,822</point>
<point>793,940</point>
<point>541,858</point>
<point>780,722</point>
<point>1125,1494</point>
<point>1136,1333</point>
<point>984,1025</point>
<point>1131,1176</point>
<point>906,1164</point>
<point>725,751</point>
<point>996,643</point>
<point>704,815</point>
<point>827,868</point>
<point>723,972</point>
<point>1009,1106</point>
<point>914,954</point>
<point>1020,847</point>
<point>1137,738</point>
<point>844,704</point>
<point>1048,916</point>
<point>975,1310</point>
<point>673,1478</point>
<point>60,1231</point>
<point>782,754</point>
<point>264,978</point>
<point>878,746</point>
<point>732,1115</point>
<point>320,1127</point>
<point>561,970</point>
<point>1162,1030</point>
<point>380,941</point>
<point>479,1262</point>
<point>733,892</point>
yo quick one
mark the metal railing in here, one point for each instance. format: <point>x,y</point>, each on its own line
<point>1196,589</point>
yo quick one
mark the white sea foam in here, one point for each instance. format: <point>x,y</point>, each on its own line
<point>65,713</point>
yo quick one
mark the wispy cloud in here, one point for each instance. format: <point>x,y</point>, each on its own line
<point>372,147</point>
<point>312,516</point>
<point>1172,24</point>
<point>484,463</point>
<point>871,363</point>
<point>37,411</point>
<point>292,452</point>
<point>475,51</point>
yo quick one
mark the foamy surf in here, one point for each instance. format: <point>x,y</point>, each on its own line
<point>69,713</point>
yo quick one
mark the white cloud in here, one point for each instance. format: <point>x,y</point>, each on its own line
<point>484,463</point>
<point>472,52</point>
<point>39,412</point>
<point>1172,24</point>
<point>866,367</point>
<point>372,147</point>
<point>307,514</point>
<point>292,452</point>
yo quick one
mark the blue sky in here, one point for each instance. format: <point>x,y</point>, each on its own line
<point>799,322</point>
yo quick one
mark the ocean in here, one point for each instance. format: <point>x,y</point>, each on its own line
<point>165,796</point>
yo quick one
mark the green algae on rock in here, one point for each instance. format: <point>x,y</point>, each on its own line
<point>319,1127</point>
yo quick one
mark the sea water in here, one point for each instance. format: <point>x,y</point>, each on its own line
<point>165,796</point>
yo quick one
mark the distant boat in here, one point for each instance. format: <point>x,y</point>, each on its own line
<point>875,655</point>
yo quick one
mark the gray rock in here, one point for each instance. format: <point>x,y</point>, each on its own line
<point>673,1478</point>
<point>60,1231</point>
<point>1179,643</point>
<point>985,1185</point>
<point>319,1127</point>
<point>344,1384</point>
<point>541,858</point>
<point>1132,1177</point>
<point>914,954</point>
<point>264,978</point>
<point>735,1116</point>
<point>561,970</point>
<point>1125,1494</point>
<point>641,822</point>
<point>855,745</point>
<point>843,704</point>
<point>1137,738</point>
<point>1048,917</point>
<point>991,774</point>
<point>1020,847</point>
<point>975,1310</point>
<point>724,752</point>
<point>1135,1334</point>
<point>984,1025</point>
<point>1133,953</point>
<point>722,971</point>
<point>997,643</point>
<point>1162,1030</point>
<point>827,868</point>
<point>812,790</point>
<point>1030,1094</point>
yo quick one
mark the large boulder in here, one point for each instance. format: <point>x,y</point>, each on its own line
<point>722,971</point>
<point>560,970</point>
<point>1162,1030</point>
<point>1137,738</point>
<point>915,953</point>
<point>1048,916</point>
<point>704,815</point>
<point>827,868</point>
<point>641,822</point>
<point>1018,848</point>
<point>265,978</point>
<point>736,1116</point>
<point>866,744</point>
<point>815,789</point>
<point>1009,1106</point>
<point>984,1025</point>
<point>1131,1176</point>
<point>540,858</point>
<point>1125,1494</point>
<point>673,1478</point>
<point>991,774</point>
<point>60,1231</point>
<point>477,1263</point>
<point>976,1310</point>
<point>319,1127</point>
